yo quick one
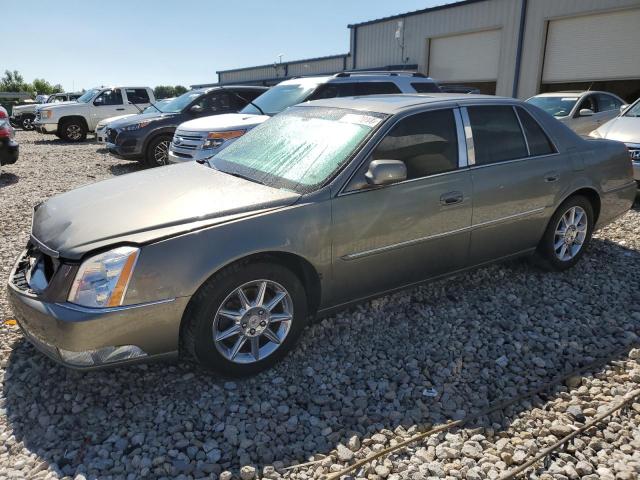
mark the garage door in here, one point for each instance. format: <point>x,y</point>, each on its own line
<point>471,57</point>
<point>594,47</point>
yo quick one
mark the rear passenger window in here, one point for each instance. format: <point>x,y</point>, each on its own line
<point>426,142</point>
<point>607,102</point>
<point>137,95</point>
<point>332,90</point>
<point>497,136</point>
<point>539,143</point>
<point>426,87</point>
<point>375,88</point>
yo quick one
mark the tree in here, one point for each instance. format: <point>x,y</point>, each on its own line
<point>12,82</point>
<point>163,91</point>
<point>41,86</point>
<point>179,90</point>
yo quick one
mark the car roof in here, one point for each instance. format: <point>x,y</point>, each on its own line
<point>358,77</point>
<point>571,93</point>
<point>394,103</point>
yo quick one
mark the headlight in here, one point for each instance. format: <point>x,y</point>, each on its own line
<point>102,280</point>
<point>46,113</point>
<point>215,139</point>
<point>136,126</point>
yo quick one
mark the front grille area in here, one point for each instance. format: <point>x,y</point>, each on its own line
<point>188,141</point>
<point>635,154</point>
<point>34,270</point>
<point>111,135</point>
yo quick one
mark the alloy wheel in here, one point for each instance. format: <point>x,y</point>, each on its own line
<point>27,124</point>
<point>161,152</point>
<point>253,321</point>
<point>570,233</point>
<point>74,132</point>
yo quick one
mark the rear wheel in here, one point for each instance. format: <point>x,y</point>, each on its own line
<point>158,151</point>
<point>567,235</point>
<point>73,131</point>
<point>245,318</point>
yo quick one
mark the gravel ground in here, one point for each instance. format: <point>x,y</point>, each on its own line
<point>358,381</point>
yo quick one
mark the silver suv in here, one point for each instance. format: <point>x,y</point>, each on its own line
<point>204,137</point>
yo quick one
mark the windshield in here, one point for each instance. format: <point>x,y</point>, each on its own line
<point>88,95</point>
<point>157,106</point>
<point>178,104</point>
<point>634,110</point>
<point>299,149</point>
<point>278,98</point>
<point>556,106</point>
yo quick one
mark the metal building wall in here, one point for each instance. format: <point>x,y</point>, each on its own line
<point>315,67</point>
<point>376,45</point>
<point>251,74</point>
<point>539,12</point>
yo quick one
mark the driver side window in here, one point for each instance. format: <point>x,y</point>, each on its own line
<point>109,97</point>
<point>426,142</point>
<point>588,102</point>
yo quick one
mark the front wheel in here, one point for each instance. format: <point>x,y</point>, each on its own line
<point>245,318</point>
<point>27,122</point>
<point>158,151</point>
<point>73,131</point>
<point>567,235</point>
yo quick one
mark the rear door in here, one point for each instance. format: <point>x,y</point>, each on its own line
<point>516,178</point>
<point>137,99</point>
<point>391,236</point>
<point>608,107</point>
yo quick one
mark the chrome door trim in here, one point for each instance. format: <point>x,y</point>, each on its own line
<point>514,160</point>
<point>471,151</point>
<point>463,160</point>
<point>408,243</point>
<point>524,135</point>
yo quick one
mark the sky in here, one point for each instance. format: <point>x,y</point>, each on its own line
<point>81,44</point>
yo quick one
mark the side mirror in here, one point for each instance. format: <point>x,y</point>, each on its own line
<point>196,109</point>
<point>98,101</point>
<point>585,112</point>
<point>623,108</point>
<point>386,172</point>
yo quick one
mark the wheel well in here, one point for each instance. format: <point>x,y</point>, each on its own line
<point>152,137</point>
<point>593,198</point>
<point>299,266</point>
<point>82,120</point>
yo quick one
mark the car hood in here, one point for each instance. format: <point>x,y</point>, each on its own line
<point>113,119</point>
<point>141,117</point>
<point>226,121</point>
<point>623,129</point>
<point>145,206</point>
<point>20,108</point>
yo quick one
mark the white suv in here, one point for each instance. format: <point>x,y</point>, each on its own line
<point>202,138</point>
<point>72,121</point>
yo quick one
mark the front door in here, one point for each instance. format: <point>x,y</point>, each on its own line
<point>108,104</point>
<point>391,236</point>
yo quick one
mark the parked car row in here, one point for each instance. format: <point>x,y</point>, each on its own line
<point>330,202</point>
<point>23,116</point>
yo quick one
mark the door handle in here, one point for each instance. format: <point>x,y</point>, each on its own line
<point>119,109</point>
<point>451,198</point>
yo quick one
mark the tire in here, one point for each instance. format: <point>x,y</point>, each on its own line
<point>558,252</point>
<point>27,122</point>
<point>73,131</point>
<point>203,319</point>
<point>157,153</point>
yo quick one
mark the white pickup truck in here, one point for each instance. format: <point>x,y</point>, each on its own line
<point>72,121</point>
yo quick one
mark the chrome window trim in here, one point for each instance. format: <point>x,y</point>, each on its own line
<point>80,308</point>
<point>524,135</point>
<point>544,130</point>
<point>369,149</point>
<point>407,243</point>
<point>513,160</point>
<point>463,160</point>
<point>468,134</point>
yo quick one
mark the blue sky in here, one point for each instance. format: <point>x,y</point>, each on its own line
<point>81,44</point>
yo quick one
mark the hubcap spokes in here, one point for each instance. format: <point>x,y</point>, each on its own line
<point>570,233</point>
<point>253,321</point>
<point>161,154</point>
<point>73,132</point>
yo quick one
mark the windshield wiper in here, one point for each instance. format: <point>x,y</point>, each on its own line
<point>244,177</point>
<point>242,98</point>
